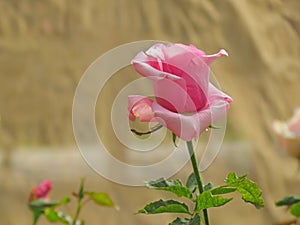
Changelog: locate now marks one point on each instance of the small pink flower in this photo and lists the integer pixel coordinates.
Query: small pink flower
(41, 191)
(186, 102)
(294, 123)
(288, 134)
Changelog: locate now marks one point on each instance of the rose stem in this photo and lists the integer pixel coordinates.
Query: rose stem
(77, 212)
(197, 175)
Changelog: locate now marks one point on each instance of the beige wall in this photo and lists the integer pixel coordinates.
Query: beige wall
(45, 46)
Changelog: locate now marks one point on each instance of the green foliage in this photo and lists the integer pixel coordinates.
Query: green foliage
(64, 200)
(191, 183)
(81, 190)
(180, 221)
(249, 190)
(52, 215)
(174, 139)
(295, 209)
(208, 187)
(161, 206)
(41, 207)
(50, 208)
(291, 201)
(213, 127)
(41, 204)
(184, 221)
(222, 190)
(195, 220)
(102, 199)
(210, 197)
(288, 200)
(174, 186)
(206, 200)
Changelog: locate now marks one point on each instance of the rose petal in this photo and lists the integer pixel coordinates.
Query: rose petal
(211, 58)
(144, 65)
(188, 127)
(140, 106)
(214, 94)
(181, 64)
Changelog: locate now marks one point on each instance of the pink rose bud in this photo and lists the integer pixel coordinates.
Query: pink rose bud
(41, 191)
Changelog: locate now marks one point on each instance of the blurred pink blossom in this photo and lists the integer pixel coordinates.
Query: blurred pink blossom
(288, 134)
(41, 191)
(294, 123)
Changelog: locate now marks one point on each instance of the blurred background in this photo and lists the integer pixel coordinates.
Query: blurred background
(45, 47)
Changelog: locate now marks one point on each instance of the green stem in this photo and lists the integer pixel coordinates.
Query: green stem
(35, 219)
(77, 212)
(197, 175)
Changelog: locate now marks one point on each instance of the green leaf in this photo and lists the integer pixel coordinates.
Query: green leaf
(174, 186)
(162, 182)
(102, 199)
(174, 138)
(184, 221)
(222, 190)
(195, 220)
(207, 200)
(208, 186)
(38, 208)
(288, 200)
(161, 206)
(54, 216)
(41, 204)
(213, 127)
(295, 209)
(180, 221)
(192, 183)
(64, 200)
(81, 190)
(232, 179)
(51, 215)
(249, 190)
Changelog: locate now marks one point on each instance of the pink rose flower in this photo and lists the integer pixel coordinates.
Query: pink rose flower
(294, 123)
(185, 101)
(41, 191)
